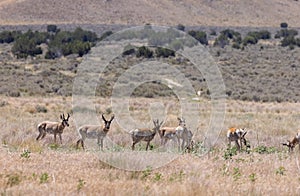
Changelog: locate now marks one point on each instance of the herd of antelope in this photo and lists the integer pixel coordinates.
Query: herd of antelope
(180, 134)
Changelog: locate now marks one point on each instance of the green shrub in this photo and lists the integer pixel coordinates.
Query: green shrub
(105, 35)
(249, 40)
(25, 46)
(65, 43)
(236, 45)
(260, 34)
(25, 154)
(297, 41)
(221, 41)
(200, 36)
(265, 150)
(84, 36)
(252, 177)
(213, 32)
(180, 27)
(44, 178)
(128, 50)
(164, 52)
(230, 34)
(9, 36)
(281, 171)
(143, 51)
(52, 28)
(80, 184)
(230, 152)
(288, 41)
(286, 33)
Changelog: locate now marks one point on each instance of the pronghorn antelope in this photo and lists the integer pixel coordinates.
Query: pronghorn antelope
(144, 134)
(53, 128)
(236, 135)
(94, 132)
(169, 133)
(180, 133)
(183, 134)
(292, 143)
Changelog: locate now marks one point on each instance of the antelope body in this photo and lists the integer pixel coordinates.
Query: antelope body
(293, 142)
(144, 134)
(180, 133)
(94, 132)
(166, 134)
(237, 136)
(53, 128)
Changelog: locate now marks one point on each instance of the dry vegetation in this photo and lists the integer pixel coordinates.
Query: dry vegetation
(31, 167)
(264, 72)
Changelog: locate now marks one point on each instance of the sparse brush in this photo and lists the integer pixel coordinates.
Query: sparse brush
(230, 152)
(25, 154)
(44, 178)
(80, 184)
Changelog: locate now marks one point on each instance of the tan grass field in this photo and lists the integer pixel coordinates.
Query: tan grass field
(50, 169)
(256, 13)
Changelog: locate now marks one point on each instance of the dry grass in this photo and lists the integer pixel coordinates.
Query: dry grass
(52, 169)
(188, 12)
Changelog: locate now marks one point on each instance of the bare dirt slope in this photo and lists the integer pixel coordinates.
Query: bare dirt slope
(167, 12)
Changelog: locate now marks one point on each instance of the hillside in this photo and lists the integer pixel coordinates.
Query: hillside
(263, 13)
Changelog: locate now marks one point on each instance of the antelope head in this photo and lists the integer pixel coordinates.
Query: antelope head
(65, 120)
(181, 121)
(157, 125)
(107, 122)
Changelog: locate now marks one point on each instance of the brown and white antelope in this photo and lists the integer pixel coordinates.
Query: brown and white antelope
(177, 133)
(183, 134)
(94, 132)
(293, 142)
(145, 134)
(238, 136)
(53, 128)
(169, 133)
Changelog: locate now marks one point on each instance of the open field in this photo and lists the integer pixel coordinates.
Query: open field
(31, 167)
(35, 89)
(256, 13)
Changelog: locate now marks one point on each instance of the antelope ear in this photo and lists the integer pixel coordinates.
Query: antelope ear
(61, 117)
(68, 116)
